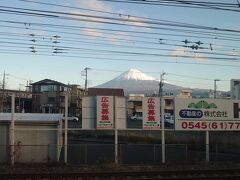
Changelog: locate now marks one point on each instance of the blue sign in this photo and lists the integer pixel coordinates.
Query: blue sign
(189, 113)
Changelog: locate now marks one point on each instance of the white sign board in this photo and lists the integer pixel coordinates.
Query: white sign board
(105, 113)
(207, 114)
(151, 113)
(89, 112)
(120, 112)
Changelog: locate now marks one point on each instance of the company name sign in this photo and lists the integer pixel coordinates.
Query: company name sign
(207, 114)
(105, 118)
(151, 113)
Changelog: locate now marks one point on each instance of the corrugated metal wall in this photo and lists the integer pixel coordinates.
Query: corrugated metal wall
(35, 145)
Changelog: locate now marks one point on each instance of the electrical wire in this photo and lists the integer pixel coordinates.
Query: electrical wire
(183, 4)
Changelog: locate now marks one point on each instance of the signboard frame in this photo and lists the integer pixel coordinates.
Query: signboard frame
(207, 114)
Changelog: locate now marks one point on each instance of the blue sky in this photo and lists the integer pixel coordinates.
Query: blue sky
(21, 65)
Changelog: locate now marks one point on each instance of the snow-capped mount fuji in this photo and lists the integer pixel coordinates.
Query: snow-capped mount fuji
(134, 74)
(134, 81)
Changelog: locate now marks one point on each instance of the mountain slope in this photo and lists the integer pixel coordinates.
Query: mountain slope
(134, 81)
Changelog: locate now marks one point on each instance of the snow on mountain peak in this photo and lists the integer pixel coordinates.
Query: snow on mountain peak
(134, 74)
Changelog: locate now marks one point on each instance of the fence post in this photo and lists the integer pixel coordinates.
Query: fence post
(115, 129)
(86, 154)
(116, 146)
(120, 153)
(162, 130)
(66, 129)
(12, 130)
(154, 153)
(186, 149)
(207, 146)
(216, 151)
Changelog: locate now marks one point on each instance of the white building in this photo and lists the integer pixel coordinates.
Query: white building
(235, 88)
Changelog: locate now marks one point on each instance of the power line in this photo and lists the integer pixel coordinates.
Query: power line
(145, 42)
(127, 60)
(113, 45)
(52, 14)
(127, 52)
(183, 4)
(118, 39)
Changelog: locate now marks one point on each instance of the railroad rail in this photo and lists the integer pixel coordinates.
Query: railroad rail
(141, 175)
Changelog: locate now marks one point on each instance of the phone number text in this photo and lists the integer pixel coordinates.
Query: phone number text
(210, 125)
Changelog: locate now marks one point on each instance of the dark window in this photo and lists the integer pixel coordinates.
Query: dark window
(62, 98)
(51, 99)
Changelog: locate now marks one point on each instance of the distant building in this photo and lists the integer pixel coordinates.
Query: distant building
(134, 105)
(48, 96)
(105, 92)
(185, 94)
(23, 101)
(219, 94)
(235, 88)
(76, 94)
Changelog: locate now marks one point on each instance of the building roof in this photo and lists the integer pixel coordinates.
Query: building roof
(105, 92)
(31, 117)
(48, 82)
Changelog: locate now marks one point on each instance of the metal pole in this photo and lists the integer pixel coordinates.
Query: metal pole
(116, 146)
(59, 140)
(215, 88)
(216, 151)
(12, 130)
(154, 153)
(66, 129)
(207, 146)
(86, 154)
(86, 79)
(162, 116)
(186, 155)
(116, 131)
(163, 132)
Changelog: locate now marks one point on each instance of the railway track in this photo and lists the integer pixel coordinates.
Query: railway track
(140, 175)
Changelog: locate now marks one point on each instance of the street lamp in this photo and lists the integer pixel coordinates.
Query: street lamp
(215, 87)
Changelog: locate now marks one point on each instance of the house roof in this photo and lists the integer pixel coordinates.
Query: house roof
(48, 82)
(105, 92)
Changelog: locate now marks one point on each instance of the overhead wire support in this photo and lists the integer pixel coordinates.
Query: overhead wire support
(85, 73)
(161, 83)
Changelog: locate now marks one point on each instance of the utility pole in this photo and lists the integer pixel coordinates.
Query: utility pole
(215, 87)
(160, 93)
(207, 132)
(4, 76)
(86, 77)
(2, 93)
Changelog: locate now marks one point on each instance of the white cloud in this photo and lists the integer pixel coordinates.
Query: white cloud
(94, 5)
(178, 52)
(92, 33)
(234, 52)
(181, 52)
(136, 23)
(113, 38)
(199, 57)
(102, 6)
